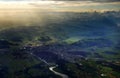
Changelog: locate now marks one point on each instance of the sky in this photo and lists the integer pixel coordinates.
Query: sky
(68, 0)
(66, 5)
(32, 12)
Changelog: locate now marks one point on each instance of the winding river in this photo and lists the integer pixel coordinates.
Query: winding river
(51, 68)
(57, 73)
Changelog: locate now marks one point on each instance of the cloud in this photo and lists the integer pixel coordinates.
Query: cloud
(68, 0)
(90, 0)
(64, 6)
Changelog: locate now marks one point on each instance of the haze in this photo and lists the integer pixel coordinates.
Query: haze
(27, 13)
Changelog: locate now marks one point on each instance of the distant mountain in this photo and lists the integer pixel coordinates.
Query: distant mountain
(100, 43)
(71, 25)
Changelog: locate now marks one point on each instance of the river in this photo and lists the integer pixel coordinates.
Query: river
(51, 68)
(57, 73)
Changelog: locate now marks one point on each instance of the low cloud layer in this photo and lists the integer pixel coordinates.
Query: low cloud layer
(91, 0)
(68, 0)
(33, 13)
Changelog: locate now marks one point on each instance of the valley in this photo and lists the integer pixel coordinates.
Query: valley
(83, 45)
